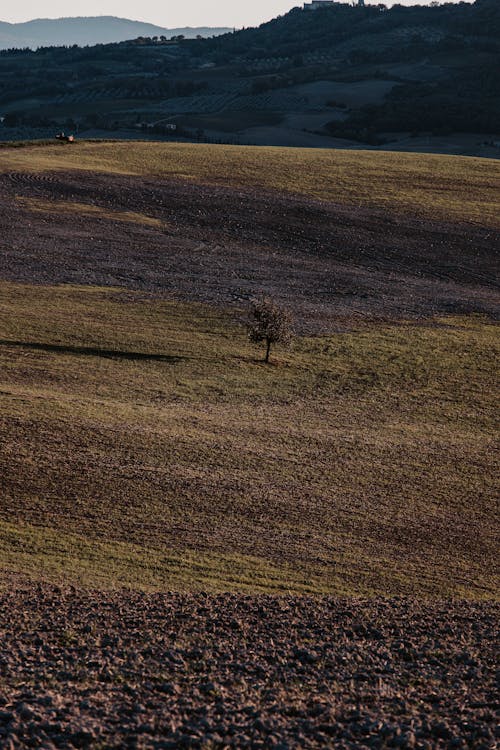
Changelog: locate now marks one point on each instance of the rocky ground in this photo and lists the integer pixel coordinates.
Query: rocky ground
(94, 670)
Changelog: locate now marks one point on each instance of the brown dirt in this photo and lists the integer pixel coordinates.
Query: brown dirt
(224, 245)
(93, 670)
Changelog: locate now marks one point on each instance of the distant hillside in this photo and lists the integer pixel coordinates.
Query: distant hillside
(443, 62)
(420, 78)
(46, 32)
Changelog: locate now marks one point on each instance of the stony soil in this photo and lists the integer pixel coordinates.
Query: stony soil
(223, 245)
(84, 669)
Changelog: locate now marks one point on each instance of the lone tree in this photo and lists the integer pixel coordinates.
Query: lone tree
(270, 323)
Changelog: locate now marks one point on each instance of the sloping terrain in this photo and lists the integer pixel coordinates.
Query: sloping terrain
(326, 524)
(310, 228)
(150, 434)
(460, 190)
(144, 443)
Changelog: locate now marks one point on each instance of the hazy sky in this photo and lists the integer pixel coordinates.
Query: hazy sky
(169, 13)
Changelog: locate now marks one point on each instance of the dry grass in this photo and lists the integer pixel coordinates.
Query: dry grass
(435, 186)
(87, 209)
(144, 444)
(43, 553)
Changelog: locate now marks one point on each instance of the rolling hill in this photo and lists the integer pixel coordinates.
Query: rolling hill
(200, 550)
(156, 450)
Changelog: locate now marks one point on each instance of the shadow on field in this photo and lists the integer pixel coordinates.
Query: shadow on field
(93, 352)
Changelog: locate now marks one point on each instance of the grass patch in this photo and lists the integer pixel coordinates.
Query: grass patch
(440, 187)
(144, 443)
(39, 552)
(87, 209)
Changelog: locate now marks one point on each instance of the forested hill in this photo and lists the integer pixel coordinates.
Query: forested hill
(369, 75)
(446, 57)
(342, 25)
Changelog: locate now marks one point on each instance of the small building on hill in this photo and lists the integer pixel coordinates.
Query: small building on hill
(316, 4)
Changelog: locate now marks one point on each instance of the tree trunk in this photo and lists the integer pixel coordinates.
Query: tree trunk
(268, 351)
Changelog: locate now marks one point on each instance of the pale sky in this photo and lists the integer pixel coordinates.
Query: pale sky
(168, 13)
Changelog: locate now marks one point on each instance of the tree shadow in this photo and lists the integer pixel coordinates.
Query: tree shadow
(93, 352)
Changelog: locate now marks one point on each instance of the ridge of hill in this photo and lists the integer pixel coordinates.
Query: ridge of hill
(300, 30)
(442, 63)
(87, 31)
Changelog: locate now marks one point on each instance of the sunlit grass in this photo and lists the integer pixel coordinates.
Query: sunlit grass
(437, 186)
(144, 443)
(87, 209)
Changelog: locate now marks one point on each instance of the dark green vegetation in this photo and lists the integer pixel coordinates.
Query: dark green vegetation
(451, 55)
(371, 75)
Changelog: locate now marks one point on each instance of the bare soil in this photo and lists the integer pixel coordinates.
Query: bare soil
(224, 245)
(93, 670)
